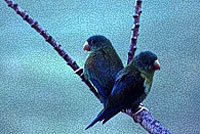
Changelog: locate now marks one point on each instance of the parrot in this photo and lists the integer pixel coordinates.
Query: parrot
(101, 65)
(132, 85)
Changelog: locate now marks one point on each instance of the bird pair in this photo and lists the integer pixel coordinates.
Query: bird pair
(118, 87)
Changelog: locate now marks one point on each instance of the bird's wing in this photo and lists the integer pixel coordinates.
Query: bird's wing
(128, 87)
(97, 69)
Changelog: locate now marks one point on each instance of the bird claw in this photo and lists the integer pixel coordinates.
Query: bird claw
(79, 71)
(140, 108)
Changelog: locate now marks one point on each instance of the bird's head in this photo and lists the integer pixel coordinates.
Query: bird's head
(96, 42)
(147, 62)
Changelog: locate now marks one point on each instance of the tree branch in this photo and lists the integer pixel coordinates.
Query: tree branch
(146, 120)
(135, 29)
(143, 116)
(48, 38)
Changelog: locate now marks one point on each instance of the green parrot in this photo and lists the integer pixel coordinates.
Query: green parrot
(132, 85)
(101, 65)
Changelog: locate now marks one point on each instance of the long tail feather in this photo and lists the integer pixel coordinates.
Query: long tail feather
(105, 115)
(98, 118)
(112, 113)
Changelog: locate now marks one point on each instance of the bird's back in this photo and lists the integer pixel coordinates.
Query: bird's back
(101, 68)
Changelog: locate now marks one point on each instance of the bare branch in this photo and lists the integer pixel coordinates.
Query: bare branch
(147, 121)
(48, 38)
(143, 116)
(135, 29)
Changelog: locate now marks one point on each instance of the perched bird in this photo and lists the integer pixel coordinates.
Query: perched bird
(132, 85)
(101, 65)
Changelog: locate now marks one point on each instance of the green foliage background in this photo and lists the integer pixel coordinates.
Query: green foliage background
(39, 94)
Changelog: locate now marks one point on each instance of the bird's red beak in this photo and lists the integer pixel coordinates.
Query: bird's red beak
(86, 46)
(156, 65)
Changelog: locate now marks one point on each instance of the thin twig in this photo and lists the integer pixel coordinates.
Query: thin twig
(135, 29)
(144, 117)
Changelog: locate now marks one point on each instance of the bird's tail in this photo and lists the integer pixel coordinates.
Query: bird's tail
(105, 115)
(98, 118)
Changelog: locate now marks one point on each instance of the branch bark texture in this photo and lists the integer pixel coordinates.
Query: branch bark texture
(147, 121)
(48, 38)
(135, 29)
(143, 116)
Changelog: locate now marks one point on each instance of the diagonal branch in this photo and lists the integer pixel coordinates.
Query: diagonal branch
(143, 116)
(146, 120)
(48, 38)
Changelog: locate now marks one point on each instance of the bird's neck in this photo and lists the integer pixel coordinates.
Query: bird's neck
(148, 77)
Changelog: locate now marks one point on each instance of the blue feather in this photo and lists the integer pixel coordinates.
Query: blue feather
(105, 115)
(98, 118)
(101, 90)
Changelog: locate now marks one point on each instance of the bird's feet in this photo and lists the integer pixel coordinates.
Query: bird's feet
(134, 111)
(139, 109)
(79, 71)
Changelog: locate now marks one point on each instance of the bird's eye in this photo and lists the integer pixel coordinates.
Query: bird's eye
(93, 42)
(146, 62)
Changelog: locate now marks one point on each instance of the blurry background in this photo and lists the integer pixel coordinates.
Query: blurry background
(39, 93)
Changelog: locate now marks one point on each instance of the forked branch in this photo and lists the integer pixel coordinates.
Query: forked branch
(143, 117)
